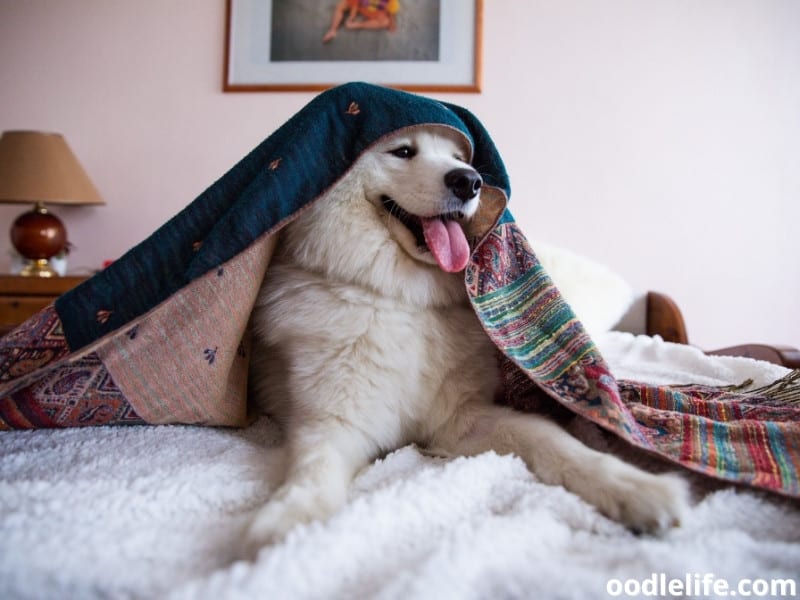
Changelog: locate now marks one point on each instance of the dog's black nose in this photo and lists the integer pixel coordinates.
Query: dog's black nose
(465, 183)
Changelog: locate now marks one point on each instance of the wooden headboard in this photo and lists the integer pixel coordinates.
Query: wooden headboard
(664, 318)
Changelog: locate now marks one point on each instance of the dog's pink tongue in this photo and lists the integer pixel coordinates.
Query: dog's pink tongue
(447, 243)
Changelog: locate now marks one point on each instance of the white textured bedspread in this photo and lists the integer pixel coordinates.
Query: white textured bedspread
(151, 512)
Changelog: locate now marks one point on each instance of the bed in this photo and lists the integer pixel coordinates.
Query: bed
(158, 511)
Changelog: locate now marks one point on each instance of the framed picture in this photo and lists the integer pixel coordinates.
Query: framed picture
(296, 45)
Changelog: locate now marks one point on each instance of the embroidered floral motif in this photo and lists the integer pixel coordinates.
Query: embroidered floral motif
(103, 316)
(353, 109)
(275, 164)
(196, 246)
(132, 332)
(211, 354)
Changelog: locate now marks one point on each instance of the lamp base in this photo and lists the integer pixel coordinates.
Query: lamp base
(38, 268)
(38, 235)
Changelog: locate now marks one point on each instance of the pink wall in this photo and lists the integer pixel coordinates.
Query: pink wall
(661, 138)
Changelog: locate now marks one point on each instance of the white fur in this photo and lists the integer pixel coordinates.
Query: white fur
(363, 345)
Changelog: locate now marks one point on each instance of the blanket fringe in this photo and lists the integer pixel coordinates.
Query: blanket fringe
(781, 392)
(784, 391)
(737, 387)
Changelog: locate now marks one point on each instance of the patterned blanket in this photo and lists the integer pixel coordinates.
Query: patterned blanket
(160, 336)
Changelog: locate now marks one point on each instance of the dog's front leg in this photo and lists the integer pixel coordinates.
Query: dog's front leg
(643, 501)
(322, 458)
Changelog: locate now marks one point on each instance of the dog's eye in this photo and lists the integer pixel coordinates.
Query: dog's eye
(403, 152)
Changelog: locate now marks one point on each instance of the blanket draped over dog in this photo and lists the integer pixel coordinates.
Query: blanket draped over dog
(160, 336)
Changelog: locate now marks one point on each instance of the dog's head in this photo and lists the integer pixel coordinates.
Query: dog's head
(421, 179)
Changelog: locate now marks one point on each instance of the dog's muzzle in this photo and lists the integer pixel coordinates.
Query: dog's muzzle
(441, 234)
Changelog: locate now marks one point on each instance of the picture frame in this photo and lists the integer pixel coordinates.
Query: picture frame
(424, 46)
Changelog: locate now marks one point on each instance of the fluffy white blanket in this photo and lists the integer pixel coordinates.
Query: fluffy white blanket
(146, 512)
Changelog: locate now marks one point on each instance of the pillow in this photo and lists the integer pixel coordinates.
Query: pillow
(599, 297)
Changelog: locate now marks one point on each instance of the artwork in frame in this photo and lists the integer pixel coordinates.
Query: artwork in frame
(296, 45)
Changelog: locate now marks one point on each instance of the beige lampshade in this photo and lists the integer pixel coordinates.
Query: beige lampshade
(40, 167)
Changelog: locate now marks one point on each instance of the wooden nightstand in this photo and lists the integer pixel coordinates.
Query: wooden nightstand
(23, 297)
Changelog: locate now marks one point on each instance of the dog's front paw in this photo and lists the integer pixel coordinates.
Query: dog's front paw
(289, 506)
(644, 502)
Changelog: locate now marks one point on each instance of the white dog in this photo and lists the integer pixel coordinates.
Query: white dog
(365, 341)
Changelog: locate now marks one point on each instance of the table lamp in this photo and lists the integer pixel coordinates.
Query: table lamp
(39, 168)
